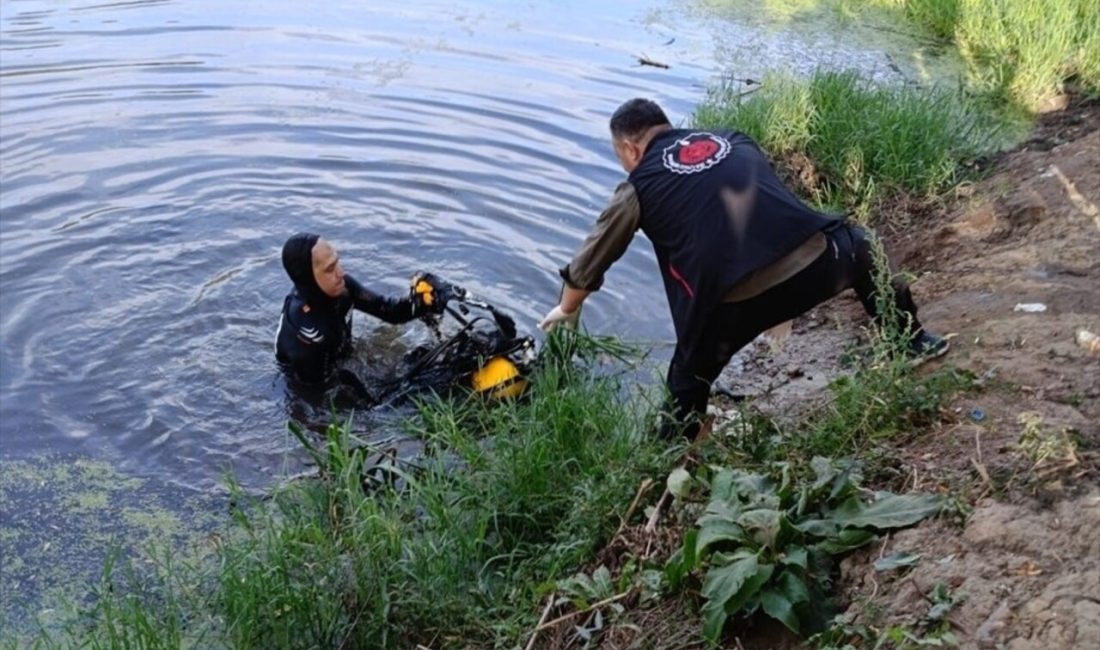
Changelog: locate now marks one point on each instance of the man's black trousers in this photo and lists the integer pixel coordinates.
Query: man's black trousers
(847, 263)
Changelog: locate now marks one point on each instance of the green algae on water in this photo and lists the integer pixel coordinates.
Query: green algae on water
(61, 516)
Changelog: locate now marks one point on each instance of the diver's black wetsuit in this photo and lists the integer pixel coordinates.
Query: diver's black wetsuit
(315, 334)
(315, 328)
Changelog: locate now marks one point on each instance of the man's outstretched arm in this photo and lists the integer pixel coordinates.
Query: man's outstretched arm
(607, 242)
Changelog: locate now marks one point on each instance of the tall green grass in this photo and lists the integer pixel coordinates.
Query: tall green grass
(455, 549)
(863, 141)
(1021, 51)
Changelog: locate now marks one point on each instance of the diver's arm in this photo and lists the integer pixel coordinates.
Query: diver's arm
(391, 310)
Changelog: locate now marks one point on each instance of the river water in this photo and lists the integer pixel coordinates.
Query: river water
(155, 154)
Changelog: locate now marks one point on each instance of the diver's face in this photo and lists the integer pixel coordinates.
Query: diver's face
(327, 270)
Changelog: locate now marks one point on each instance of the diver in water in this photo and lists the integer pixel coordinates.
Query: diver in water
(315, 328)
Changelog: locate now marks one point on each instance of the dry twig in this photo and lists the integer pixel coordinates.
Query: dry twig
(700, 438)
(593, 607)
(644, 60)
(651, 525)
(542, 619)
(881, 553)
(984, 474)
(642, 489)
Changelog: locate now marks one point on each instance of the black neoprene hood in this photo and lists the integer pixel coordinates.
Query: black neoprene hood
(298, 262)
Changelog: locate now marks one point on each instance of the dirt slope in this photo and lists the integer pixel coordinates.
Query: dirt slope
(1028, 559)
(1024, 450)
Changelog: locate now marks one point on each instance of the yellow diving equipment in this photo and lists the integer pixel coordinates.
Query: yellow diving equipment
(499, 378)
(426, 292)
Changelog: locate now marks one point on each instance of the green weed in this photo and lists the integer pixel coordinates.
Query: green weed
(764, 542)
(1020, 52)
(863, 142)
(884, 396)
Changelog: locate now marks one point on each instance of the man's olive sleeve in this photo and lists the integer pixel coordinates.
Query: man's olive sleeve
(607, 242)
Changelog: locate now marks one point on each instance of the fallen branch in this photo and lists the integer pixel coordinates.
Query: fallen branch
(593, 607)
(542, 619)
(651, 525)
(871, 575)
(642, 489)
(644, 60)
(700, 438)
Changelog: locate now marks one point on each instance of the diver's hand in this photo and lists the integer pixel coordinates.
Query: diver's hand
(557, 316)
(427, 294)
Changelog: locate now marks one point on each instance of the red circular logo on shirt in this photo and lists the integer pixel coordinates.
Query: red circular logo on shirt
(695, 153)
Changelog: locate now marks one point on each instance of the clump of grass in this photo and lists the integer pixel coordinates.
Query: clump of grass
(885, 396)
(863, 142)
(506, 498)
(1020, 51)
(938, 16)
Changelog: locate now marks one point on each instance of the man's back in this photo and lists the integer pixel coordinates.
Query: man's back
(715, 211)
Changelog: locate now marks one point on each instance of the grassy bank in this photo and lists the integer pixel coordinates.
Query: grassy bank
(848, 144)
(461, 547)
(851, 145)
(1019, 51)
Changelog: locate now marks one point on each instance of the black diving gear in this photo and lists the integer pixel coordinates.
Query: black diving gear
(484, 355)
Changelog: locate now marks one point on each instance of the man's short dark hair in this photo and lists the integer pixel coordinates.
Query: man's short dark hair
(635, 117)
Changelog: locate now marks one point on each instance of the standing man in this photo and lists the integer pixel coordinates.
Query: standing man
(738, 252)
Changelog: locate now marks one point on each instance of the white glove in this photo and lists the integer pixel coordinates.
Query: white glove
(557, 316)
